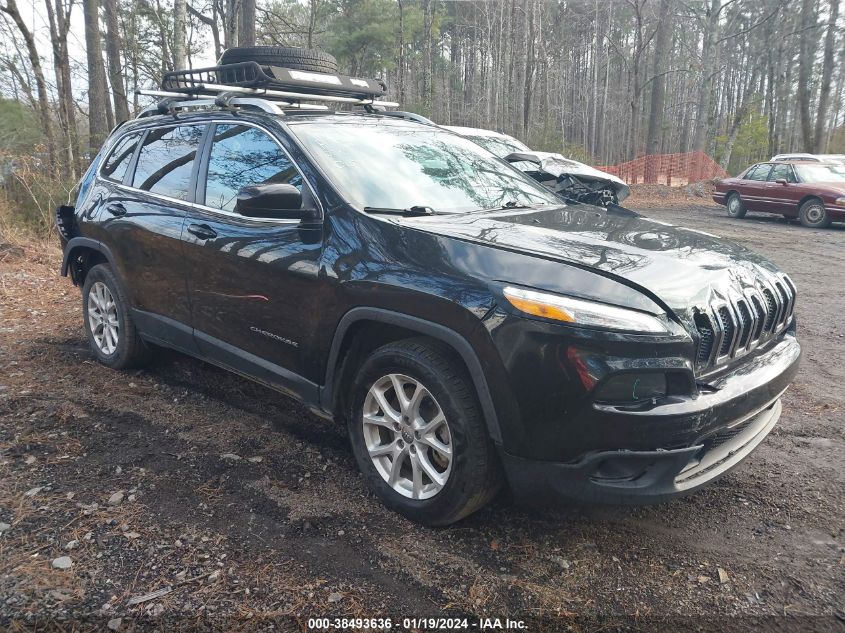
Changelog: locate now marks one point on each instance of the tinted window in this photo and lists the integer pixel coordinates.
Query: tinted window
(782, 172)
(241, 156)
(118, 161)
(166, 160)
(758, 173)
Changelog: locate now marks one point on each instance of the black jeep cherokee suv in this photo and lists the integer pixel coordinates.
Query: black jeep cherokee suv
(469, 327)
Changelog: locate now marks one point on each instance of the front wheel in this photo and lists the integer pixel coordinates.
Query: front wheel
(418, 434)
(814, 215)
(735, 206)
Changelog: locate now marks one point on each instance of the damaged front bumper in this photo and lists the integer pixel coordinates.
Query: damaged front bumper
(731, 423)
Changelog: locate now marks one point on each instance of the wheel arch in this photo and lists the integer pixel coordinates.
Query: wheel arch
(369, 328)
(807, 198)
(83, 253)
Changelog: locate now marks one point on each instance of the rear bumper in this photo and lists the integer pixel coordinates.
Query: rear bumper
(631, 477)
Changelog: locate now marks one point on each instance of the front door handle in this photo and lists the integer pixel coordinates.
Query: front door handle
(116, 209)
(202, 231)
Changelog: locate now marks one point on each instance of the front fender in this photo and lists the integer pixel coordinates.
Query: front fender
(427, 328)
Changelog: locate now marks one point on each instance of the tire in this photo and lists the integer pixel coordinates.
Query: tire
(468, 479)
(735, 206)
(813, 214)
(129, 350)
(287, 57)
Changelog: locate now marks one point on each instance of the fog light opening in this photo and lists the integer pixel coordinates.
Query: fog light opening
(633, 387)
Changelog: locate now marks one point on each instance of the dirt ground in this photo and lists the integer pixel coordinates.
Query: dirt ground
(243, 511)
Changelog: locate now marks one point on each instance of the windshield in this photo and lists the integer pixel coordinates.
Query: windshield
(500, 146)
(821, 173)
(397, 165)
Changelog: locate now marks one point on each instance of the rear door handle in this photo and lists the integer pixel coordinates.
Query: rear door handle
(202, 231)
(116, 209)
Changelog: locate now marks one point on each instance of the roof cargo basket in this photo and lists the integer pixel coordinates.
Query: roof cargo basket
(275, 82)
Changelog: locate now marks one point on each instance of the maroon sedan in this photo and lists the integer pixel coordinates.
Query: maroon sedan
(814, 192)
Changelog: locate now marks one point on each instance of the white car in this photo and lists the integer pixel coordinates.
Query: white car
(819, 158)
(567, 177)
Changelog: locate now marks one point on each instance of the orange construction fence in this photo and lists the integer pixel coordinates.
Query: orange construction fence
(668, 169)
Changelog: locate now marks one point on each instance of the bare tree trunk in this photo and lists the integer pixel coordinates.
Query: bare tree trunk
(401, 46)
(529, 70)
(246, 26)
(59, 21)
(312, 20)
(658, 79)
(230, 31)
(827, 76)
(211, 23)
(97, 96)
(113, 47)
(180, 10)
(11, 8)
(428, 58)
(805, 69)
(708, 58)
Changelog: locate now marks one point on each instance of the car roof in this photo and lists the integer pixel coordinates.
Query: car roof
(802, 161)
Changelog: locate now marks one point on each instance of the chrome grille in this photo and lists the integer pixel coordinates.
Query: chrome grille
(730, 329)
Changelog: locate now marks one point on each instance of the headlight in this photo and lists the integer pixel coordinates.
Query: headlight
(840, 202)
(581, 312)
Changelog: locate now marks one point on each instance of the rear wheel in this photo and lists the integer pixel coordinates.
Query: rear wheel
(735, 206)
(813, 214)
(418, 434)
(108, 324)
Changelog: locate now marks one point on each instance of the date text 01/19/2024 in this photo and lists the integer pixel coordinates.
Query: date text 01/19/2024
(426, 624)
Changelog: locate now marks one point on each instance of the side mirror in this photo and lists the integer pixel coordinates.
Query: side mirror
(781, 181)
(272, 200)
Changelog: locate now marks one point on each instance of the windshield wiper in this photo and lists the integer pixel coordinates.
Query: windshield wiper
(414, 211)
(512, 204)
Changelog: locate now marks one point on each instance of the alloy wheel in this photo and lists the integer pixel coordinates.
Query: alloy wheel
(407, 436)
(102, 318)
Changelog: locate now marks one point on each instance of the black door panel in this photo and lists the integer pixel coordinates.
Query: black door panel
(147, 241)
(250, 285)
(143, 219)
(250, 279)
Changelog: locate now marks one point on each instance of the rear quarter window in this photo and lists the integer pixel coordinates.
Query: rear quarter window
(117, 163)
(166, 161)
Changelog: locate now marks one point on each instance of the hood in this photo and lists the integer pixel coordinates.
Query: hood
(835, 188)
(684, 269)
(557, 165)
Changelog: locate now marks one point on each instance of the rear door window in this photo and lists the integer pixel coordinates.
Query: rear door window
(242, 155)
(167, 159)
(118, 161)
(760, 172)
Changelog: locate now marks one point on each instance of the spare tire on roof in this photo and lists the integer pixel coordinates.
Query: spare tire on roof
(305, 59)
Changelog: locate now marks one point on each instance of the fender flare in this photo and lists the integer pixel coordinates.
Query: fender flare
(85, 242)
(448, 336)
